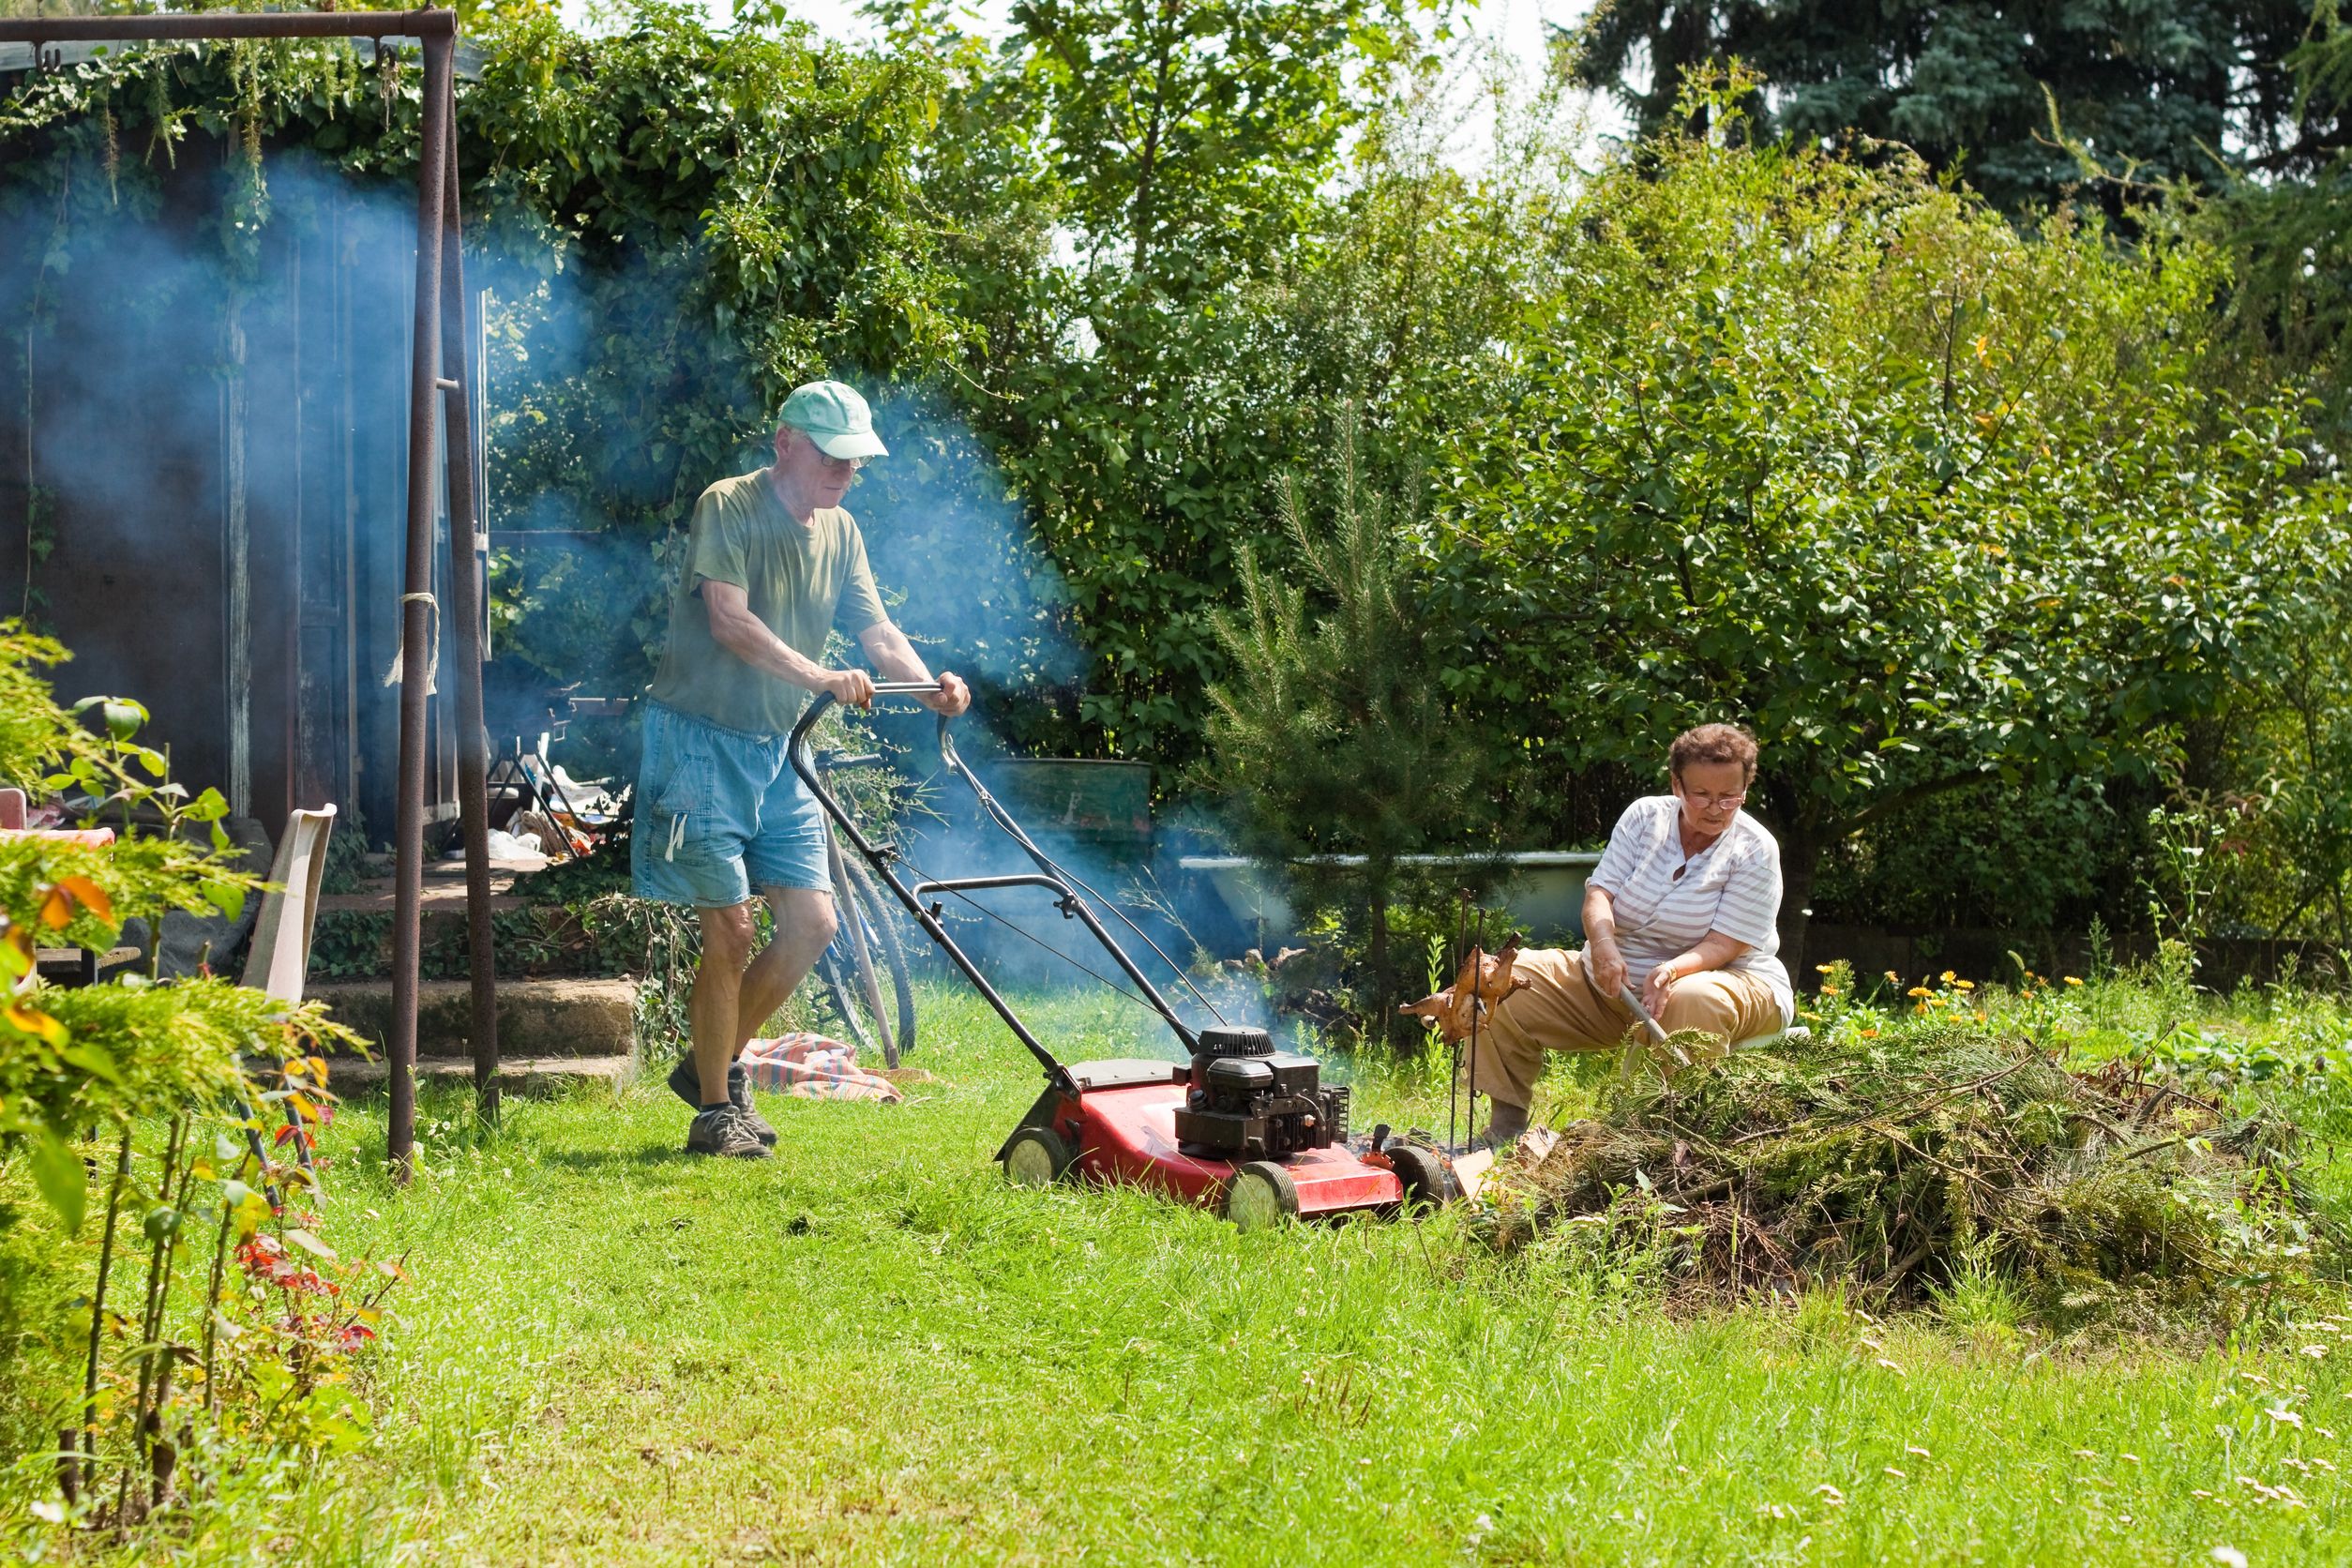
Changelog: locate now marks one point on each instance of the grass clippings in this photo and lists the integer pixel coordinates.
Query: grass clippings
(1939, 1155)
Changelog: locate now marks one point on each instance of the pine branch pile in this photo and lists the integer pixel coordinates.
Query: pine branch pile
(1897, 1165)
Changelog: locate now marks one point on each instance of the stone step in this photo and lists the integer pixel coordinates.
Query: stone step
(534, 1077)
(594, 1019)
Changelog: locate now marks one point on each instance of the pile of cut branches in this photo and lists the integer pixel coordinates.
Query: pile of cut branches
(1899, 1165)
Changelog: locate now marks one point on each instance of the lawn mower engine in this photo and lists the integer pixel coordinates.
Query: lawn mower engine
(1242, 1128)
(1249, 1101)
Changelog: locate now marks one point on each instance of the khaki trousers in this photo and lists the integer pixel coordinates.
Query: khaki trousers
(1562, 1010)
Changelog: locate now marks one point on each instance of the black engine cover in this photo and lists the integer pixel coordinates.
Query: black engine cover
(1253, 1104)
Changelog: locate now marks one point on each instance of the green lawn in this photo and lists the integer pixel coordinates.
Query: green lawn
(871, 1350)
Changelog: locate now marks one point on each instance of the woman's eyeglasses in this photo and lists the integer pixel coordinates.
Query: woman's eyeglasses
(1713, 803)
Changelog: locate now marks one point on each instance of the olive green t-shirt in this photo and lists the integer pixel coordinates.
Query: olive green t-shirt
(800, 580)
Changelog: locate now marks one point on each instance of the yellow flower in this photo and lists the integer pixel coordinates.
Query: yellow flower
(2072, 981)
(1966, 985)
(1949, 977)
(1919, 990)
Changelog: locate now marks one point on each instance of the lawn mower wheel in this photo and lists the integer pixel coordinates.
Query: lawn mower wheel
(1037, 1157)
(1423, 1174)
(1261, 1194)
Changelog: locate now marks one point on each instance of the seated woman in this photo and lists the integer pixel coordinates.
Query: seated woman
(1683, 906)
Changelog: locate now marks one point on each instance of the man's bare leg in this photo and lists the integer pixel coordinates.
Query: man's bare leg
(804, 923)
(714, 1005)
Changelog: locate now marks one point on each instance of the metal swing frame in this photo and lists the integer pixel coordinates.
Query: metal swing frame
(438, 365)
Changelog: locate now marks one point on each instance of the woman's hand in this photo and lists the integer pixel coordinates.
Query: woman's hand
(1659, 987)
(1714, 950)
(1605, 965)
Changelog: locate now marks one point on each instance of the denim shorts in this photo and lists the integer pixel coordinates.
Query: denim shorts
(720, 812)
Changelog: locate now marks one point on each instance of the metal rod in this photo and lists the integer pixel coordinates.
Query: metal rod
(436, 23)
(1478, 1005)
(432, 168)
(969, 885)
(1453, 1048)
(797, 748)
(465, 615)
(1044, 862)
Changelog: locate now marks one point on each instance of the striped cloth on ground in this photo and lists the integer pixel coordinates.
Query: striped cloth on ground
(811, 1067)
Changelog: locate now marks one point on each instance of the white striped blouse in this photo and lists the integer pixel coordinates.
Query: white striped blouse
(1664, 904)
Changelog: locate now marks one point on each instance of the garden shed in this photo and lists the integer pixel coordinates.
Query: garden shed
(207, 438)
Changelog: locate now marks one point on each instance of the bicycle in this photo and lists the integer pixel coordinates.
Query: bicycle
(848, 967)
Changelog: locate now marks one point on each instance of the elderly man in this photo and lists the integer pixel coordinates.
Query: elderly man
(773, 563)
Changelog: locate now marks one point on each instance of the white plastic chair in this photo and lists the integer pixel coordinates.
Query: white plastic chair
(1773, 1038)
(279, 961)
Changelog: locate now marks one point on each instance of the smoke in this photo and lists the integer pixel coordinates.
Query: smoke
(207, 432)
(218, 441)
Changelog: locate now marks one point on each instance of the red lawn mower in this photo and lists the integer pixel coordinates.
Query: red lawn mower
(1237, 1126)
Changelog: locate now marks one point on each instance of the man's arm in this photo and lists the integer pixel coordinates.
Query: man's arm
(896, 658)
(742, 634)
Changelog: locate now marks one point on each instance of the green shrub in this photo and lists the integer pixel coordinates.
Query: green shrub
(146, 1086)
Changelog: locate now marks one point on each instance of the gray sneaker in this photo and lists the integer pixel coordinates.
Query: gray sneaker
(739, 1095)
(687, 1084)
(724, 1130)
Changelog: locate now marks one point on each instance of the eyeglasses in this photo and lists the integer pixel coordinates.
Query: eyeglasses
(1713, 803)
(837, 465)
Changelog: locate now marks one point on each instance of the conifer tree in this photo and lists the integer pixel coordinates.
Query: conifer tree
(1332, 736)
(2160, 92)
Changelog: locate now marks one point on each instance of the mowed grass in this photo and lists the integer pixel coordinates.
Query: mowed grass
(870, 1349)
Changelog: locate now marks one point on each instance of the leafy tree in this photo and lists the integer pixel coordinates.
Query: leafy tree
(1419, 271)
(1134, 405)
(1835, 452)
(2153, 91)
(1191, 135)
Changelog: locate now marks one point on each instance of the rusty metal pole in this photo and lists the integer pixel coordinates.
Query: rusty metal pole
(231, 24)
(437, 29)
(465, 615)
(417, 607)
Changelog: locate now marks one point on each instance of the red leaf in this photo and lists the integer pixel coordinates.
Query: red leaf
(284, 1132)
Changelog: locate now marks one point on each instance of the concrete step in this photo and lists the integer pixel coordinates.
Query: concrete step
(439, 891)
(531, 1076)
(537, 1019)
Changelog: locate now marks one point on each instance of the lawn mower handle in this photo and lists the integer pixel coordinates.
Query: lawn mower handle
(1049, 877)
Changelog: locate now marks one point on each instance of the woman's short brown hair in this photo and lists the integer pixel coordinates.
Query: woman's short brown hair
(1715, 743)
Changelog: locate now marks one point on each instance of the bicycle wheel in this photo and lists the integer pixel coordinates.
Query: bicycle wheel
(890, 954)
(852, 977)
(857, 925)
